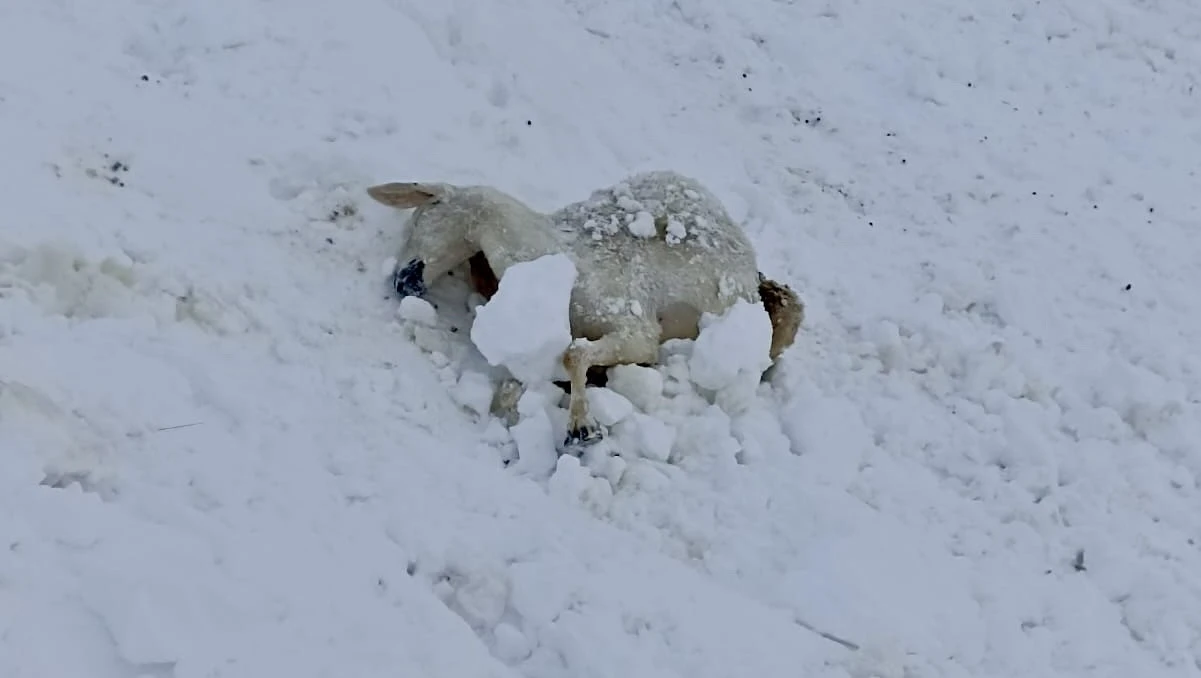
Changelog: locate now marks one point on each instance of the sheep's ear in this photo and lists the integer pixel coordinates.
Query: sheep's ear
(404, 195)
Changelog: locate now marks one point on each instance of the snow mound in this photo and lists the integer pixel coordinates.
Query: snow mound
(525, 326)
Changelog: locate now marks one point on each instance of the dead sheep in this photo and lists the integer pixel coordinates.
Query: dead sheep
(653, 253)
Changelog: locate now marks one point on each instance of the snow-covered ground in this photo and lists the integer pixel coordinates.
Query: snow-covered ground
(223, 453)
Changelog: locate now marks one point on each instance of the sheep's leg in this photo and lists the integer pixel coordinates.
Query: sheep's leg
(787, 313)
(504, 400)
(615, 348)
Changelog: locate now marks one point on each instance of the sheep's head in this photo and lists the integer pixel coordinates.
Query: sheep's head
(437, 233)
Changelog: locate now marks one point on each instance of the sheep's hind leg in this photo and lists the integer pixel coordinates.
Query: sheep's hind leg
(505, 399)
(615, 348)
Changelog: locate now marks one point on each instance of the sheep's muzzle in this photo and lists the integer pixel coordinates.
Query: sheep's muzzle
(410, 280)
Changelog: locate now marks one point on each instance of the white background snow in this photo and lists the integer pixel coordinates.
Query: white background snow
(223, 454)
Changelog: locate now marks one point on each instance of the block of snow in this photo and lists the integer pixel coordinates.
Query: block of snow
(418, 311)
(535, 439)
(642, 386)
(569, 480)
(575, 484)
(534, 434)
(608, 406)
(525, 326)
(652, 437)
(642, 225)
(731, 346)
(676, 231)
(611, 469)
(760, 433)
(474, 391)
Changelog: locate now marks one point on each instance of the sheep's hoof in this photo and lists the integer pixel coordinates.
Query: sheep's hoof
(504, 401)
(584, 436)
(410, 280)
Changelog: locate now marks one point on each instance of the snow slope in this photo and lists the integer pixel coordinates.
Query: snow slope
(222, 455)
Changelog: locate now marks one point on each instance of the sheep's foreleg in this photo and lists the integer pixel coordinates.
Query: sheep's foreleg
(504, 400)
(616, 348)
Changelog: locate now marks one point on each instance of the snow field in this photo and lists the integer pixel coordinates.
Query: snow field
(224, 454)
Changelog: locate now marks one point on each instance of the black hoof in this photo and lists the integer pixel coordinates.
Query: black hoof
(410, 280)
(586, 435)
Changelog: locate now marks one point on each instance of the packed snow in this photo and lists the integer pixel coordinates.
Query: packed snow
(642, 225)
(525, 326)
(228, 450)
(732, 347)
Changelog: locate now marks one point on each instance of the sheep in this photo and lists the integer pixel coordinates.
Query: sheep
(653, 253)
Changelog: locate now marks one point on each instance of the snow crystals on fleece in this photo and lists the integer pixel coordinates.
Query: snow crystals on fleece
(643, 202)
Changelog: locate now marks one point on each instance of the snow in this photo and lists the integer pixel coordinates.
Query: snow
(732, 347)
(525, 326)
(676, 231)
(535, 435)
(642, 225)
(608, 406)
(226, 451)
(417, 311)
(642, 386)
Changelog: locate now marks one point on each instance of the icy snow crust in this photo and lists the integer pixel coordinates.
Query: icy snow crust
(226, 451)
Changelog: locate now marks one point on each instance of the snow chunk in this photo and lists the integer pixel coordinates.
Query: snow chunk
(643, 225)
(731, 346)
(525, 325)
(629, 204)
(417, 311)
(534, 435)
(573, 483)
(474, 391)
(642, 386)
(676, 231)
(608, 406)
(652, 437)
